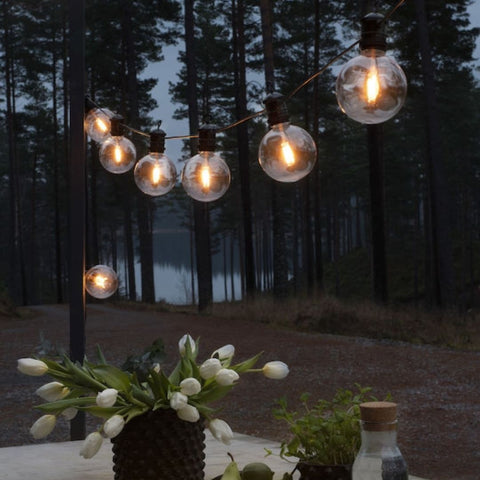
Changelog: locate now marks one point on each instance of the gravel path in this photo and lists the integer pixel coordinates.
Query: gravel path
(437, 389)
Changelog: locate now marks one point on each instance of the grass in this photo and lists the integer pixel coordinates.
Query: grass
(328, 314)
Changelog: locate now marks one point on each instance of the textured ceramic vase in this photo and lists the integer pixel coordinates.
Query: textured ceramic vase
(158, 445)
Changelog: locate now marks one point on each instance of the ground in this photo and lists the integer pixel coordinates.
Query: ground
(437, 389)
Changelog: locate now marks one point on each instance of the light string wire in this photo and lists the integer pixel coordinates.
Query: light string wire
(292, 94)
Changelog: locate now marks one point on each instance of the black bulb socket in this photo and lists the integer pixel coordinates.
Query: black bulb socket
(157, 141)
(207, 138)
(276, 109)
(116, 127)
(373, 32)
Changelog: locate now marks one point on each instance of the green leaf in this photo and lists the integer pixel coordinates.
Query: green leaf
(101, 358)
(159, 384)
(247, 364)
(113, 377)
(135, 412)
(61, 405)
(213, 393)
(143, 396)
(102, 412)
(174, 377)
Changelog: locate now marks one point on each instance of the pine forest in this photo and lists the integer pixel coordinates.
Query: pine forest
(303, 239)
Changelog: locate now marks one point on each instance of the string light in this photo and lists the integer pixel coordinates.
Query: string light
(286, 153)
(371, 88)
(117, 153)
(206, 176)
(155, 174)
(101, 281)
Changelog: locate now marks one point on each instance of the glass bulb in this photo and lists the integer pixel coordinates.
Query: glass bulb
(101, 281)
(97, 124)
(371, 88)
(155, 174)
(287, 153)
(117, 154)
(206, 177)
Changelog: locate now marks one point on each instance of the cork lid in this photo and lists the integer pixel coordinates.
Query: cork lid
(378, 416)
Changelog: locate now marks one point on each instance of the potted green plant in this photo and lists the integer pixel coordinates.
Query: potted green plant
(325, 435)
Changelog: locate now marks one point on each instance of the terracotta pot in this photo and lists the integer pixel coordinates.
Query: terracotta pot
(158, 445)
(312, 471)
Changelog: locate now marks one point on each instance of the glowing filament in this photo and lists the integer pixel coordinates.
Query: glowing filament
(102, 126)
(372, 85)
(287, 153)
(118, 154)
(156, 174)
(100, 281)
(205, 177)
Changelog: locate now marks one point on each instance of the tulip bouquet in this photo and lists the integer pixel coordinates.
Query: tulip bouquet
(117, 396)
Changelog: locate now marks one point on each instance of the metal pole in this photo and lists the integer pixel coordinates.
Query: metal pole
(77, 201)
(377, 209)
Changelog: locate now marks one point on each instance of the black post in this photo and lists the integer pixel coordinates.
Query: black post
(77, 192)
(377, 211)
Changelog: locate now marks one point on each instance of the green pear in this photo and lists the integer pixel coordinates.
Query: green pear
(231, 472)
(257, 471)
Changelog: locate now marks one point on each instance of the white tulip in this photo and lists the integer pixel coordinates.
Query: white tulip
(30, 366)
(91, 445)
(221, 430)
(190, 386)
(224, 353)
(226, 376)
(188, 413)
(276, 370)
(113, 426)
(209, 368)
(107, 397)
(43, 426)
(183, 341)
(178, 400)
(70, 413)
(52, 391)
(156, 367)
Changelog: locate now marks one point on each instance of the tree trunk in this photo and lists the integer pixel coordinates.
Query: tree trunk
(280, 267)
(201, 214)
(143, 202)
(440, 247)
(56, 180)
(377, 208)
(232, 266)
(318, 245)
(238, 17)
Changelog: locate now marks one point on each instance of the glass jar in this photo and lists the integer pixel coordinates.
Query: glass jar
(379, 457)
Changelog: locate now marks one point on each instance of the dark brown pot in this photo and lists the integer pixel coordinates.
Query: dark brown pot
(311, 471)
(158, 445)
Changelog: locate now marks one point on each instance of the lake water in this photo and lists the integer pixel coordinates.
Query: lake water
(173, 284)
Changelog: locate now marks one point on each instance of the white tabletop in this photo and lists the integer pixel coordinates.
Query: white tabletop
(61, 461)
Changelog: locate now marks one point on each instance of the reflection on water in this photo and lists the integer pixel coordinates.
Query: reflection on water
(173, 284)
(171, 253)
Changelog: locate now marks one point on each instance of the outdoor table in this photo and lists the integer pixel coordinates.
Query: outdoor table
(61, 461)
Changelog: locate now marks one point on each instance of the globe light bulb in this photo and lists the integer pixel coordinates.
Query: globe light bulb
(286, 153)
(155, 174)
(206, 176)
(117, 153)
(97, 121)
(371, 88)
(101, 281)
